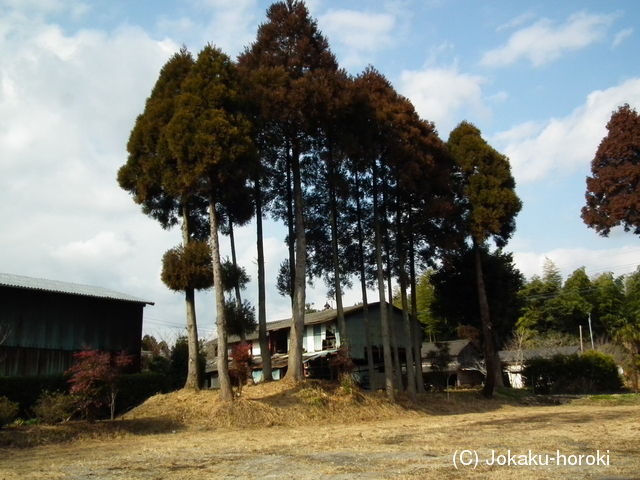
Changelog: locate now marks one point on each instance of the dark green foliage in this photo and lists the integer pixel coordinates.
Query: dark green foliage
(489, 195)
(233, 276)
(456, 280)
(588, 373)
(138, 387)
(55, 407)
(27, 390)
(8, 411)
(160, 364)
(240, 319)
(134, 389)
(180, 363)
(185, 267)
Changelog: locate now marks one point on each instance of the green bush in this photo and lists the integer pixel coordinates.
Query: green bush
(8, 411)
(134, 389)
(55, 407)
(573, 374)
(27, 390)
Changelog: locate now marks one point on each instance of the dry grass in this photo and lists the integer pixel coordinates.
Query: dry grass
(318, 430)
(275, 404)
(307, 403)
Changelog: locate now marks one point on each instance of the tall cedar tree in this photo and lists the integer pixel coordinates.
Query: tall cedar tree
(377, 94)
(210, 138)
(491, 205)
(289, 54)
(149, 176)
(613, 192)
(238, 210)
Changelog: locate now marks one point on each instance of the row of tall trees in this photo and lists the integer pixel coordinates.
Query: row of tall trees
(365, 187)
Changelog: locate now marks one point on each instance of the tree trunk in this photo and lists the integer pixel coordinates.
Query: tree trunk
(290, 226)
(226, 392)
(363, 284)
(193, 372)
(295, 370)
(487, 329)
(265, 354)
(397, 371)
(498, 362)
(384, 320)
(411, 376)
(232, 240)
(417, 331)
(342, 326)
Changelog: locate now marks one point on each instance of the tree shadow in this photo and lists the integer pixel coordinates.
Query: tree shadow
(28, 436)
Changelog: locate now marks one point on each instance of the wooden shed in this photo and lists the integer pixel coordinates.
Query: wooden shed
(48, 321)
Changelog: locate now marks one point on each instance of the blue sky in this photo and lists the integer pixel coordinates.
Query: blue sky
(540, 79)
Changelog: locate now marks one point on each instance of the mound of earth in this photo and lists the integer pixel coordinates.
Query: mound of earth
(270, 404)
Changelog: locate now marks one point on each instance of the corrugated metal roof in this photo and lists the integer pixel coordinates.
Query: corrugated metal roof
(19, 281)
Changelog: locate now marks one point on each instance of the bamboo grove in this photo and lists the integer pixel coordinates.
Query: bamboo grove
(367, 190)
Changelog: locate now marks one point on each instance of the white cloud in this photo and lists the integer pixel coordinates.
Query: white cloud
(560, 146)
(104, 246)
(621, 36)
(357, 34)
(444, 95)
(516, 22)
(67, 105)
(620, 260)
(228, 24)
(544, 42)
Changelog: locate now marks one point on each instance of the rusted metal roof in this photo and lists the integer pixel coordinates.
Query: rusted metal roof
(19, 281)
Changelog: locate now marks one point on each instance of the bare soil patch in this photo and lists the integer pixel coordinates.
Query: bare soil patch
(315, 430)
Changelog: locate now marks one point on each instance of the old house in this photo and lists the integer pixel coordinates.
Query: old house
(321, 340)
(47, 321)
(464, 362)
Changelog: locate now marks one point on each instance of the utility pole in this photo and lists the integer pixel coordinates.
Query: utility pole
(591, 332)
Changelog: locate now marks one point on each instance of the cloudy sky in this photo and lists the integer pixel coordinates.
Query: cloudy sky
(539, 78)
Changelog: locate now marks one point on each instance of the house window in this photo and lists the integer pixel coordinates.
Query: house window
(330, 339)
(317, 338)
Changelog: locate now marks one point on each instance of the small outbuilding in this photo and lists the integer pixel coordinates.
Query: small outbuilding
(47, 321)
(464, 361)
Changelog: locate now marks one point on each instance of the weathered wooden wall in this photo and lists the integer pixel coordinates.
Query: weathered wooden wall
(46, 328)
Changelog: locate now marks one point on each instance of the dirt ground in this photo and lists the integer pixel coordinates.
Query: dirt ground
(407, 443)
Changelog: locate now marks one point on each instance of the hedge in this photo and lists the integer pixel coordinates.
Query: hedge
(134, 389)
(590, 372)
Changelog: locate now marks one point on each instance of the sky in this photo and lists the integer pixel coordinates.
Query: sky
(540, 79)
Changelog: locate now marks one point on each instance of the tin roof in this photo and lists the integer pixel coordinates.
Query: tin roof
(19, 281)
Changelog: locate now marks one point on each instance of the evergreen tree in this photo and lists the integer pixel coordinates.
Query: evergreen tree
(210, 139)
(150, 176)
(491, 205)
(283, 65)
